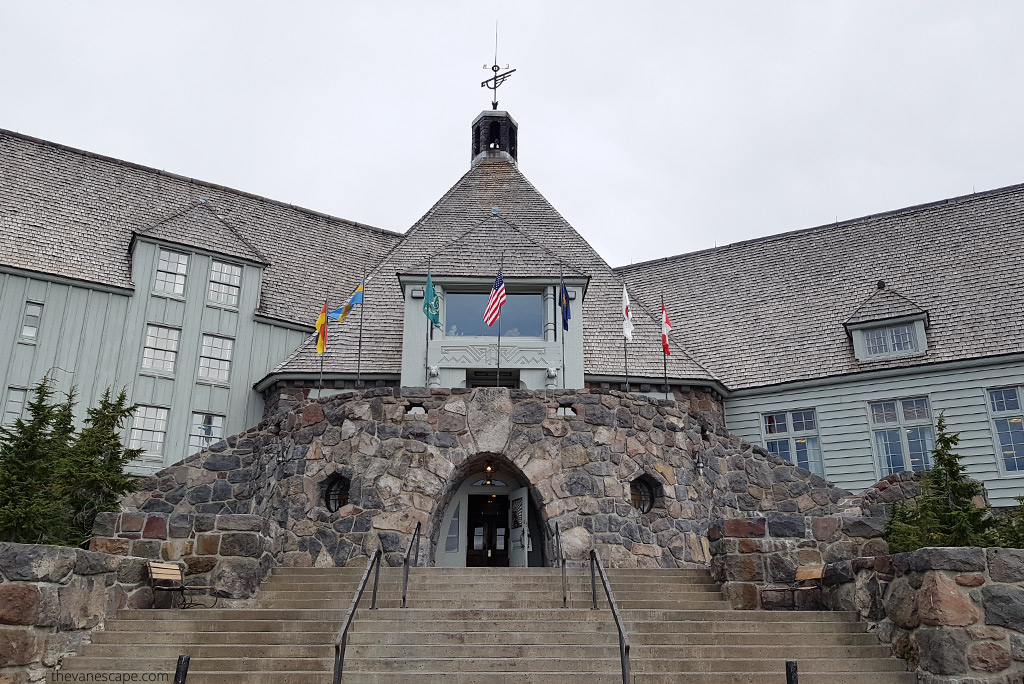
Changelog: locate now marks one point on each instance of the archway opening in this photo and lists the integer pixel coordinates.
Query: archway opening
(488, 518)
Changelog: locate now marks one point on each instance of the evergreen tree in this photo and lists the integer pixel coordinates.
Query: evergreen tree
(1010, 530)
(946, 513)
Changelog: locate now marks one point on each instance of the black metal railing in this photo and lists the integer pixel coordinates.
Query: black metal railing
(341, 641)
(595, 562)
(415, 539)
(561, 560)
(181, 671)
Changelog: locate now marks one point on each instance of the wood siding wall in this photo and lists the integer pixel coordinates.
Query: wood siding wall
(846, 442)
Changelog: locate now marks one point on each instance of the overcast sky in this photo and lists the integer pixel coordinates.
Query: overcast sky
(655, 128)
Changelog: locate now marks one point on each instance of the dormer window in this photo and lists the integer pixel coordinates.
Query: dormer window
(890, 339)
(887, 325)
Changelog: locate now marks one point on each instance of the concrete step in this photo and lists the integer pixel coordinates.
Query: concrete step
(527, 677)
(487, 602)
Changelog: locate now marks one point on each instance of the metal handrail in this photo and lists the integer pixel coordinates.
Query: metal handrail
(623, 639)
(561, 560)
(341, 641)
(405, 562)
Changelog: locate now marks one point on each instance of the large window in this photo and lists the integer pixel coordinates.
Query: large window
(793, 435)
(1009, 422)
(14, 406)
(31, 320)
(170, 273)
(215, 358)
(161, 349)
(902, 433)
(521, 316)
(149, 432)
(206, 429)
(225, 283)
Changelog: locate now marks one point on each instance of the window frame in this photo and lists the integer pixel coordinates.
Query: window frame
(791, 435)
(33, 338)
(157, 271)
(205, 379)
(148, 457)
(210, 438)
(7, 400)
(484, 289)
(901, 425)
(160, 372)
(210, 300)
(861, 331)
(995, 415)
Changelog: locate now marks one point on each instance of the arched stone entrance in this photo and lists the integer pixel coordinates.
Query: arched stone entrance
(488, 518)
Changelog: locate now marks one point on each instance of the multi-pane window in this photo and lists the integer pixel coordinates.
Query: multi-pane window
(170, 273)
(161, 349)
(206, 429)
(215, 358)
(30, 322)
(793, 435)
(1009, 422)
(225, 282)
(891, 339)
(149, 432)
(15, 404)
(903, 435)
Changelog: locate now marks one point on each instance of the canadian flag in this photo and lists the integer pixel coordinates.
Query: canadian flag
(666, 328)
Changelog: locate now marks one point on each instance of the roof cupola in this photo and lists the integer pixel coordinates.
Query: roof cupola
(495, 134)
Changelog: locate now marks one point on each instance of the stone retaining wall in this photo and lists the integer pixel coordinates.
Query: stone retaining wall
(52, 597)
(956, 614)
(405, 451)
(232, 553)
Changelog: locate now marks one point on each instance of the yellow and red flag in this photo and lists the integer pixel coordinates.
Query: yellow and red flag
(321, 331)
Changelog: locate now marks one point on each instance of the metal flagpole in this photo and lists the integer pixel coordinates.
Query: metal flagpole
(497, 379)
(430, 325)
(664, 355)
(561, 290)
(625, 359)
(359, 352)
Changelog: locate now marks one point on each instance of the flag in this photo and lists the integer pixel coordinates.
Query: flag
(495, 301)
(356, 298)
(321, 330)
(563, 301)
(627, 316)
(666, 328)
(432, 303)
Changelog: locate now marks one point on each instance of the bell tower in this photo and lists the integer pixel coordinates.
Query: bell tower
(495, 135)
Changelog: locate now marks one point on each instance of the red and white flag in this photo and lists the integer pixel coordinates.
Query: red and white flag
(666, 328)
(627, 317)
(495, 301)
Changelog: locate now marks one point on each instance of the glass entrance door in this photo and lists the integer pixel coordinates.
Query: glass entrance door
(487, 529)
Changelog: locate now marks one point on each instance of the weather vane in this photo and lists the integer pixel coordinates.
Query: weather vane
(497, 79)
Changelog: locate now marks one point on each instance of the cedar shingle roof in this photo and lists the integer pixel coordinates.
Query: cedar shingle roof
(772, 310)
(73, 213)
(462, 217)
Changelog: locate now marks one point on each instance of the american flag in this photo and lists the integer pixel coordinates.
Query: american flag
(495, 301)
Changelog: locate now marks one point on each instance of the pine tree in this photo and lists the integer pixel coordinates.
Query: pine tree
(946, 513)
(1010, 530)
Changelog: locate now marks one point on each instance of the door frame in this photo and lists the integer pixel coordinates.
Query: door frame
(460, 502)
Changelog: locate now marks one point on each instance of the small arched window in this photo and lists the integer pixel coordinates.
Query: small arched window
(336, 492)
(641, 495)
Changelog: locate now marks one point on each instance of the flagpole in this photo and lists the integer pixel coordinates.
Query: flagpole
(430, 325)
(625, 359)
(561, 289)
(359, 352)
(664, 356)
(497, 378)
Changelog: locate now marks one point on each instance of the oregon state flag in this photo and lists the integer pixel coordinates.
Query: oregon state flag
(321, 330)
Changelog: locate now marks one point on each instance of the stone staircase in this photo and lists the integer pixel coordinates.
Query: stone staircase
(491, 625)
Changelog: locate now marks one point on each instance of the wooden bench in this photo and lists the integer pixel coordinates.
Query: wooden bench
(168, 577)
(807, 578)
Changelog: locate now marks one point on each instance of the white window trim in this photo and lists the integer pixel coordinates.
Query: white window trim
(209, 282)
(858, 332)
(24, 403)
(217, 382)
(876, 457)
(792, 434)
(191, 425)
(156, 372)
(997, 448)
(156, 271)
(22, 338)
(148, 460)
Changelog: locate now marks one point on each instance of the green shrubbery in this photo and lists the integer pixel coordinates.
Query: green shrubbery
(948, 512)
(54, 479)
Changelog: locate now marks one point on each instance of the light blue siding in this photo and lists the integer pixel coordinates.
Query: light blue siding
(842, 409)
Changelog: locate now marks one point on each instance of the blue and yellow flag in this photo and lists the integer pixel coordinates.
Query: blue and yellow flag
(356, 298)
(563, 301)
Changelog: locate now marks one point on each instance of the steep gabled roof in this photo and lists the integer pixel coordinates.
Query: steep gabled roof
(883, 304)
(496, 182)
(771, 310)
(72, 213)
(198, 226)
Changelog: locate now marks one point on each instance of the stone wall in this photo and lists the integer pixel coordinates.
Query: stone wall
(406, 450)
(956, 614)
(748, 555)
(51, 597)
(232, 553)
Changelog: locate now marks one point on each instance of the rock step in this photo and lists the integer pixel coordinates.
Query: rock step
(528, 677)
(487, 573)
(485, 602)
(722, 665)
